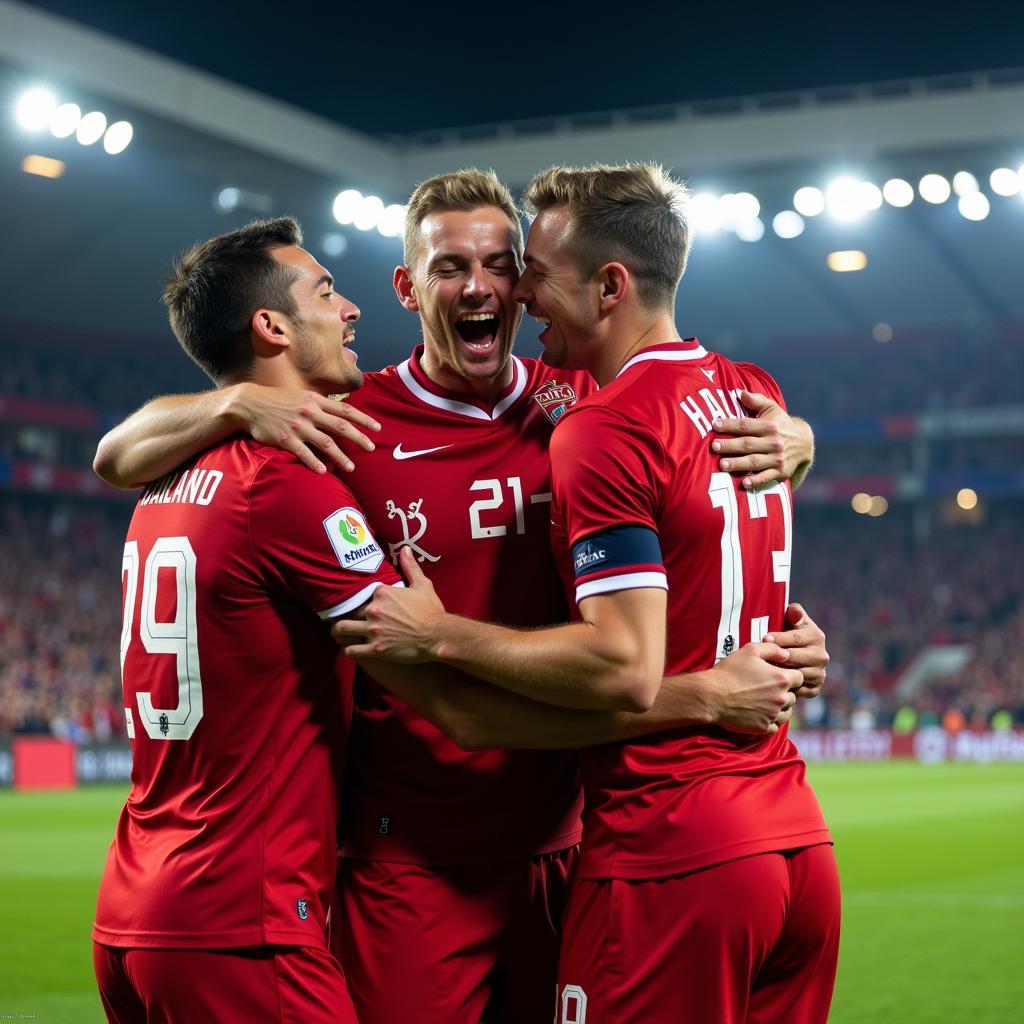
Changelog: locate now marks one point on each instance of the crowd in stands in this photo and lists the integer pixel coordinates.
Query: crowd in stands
(880, 594)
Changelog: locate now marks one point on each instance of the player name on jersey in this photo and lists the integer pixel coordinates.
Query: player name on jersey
(188, 487)
(726, 404)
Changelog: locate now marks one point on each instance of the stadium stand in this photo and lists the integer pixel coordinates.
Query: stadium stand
(885, 588)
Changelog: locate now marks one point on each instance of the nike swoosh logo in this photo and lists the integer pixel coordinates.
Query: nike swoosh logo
(399, 454)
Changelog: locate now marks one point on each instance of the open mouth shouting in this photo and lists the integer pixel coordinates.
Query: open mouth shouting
(479, 331)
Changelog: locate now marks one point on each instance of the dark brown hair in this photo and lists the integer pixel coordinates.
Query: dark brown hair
(215, 287)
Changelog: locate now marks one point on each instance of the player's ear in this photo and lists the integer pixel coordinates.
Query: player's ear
(614, 281)
(270, 328)
(404, 289)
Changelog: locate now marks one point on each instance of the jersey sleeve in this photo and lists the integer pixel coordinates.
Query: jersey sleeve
(761, 381)
(310, 537)
(607, 481)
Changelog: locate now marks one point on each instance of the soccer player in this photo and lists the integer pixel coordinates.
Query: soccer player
(455, 863)
(706, 888)
(213, 902)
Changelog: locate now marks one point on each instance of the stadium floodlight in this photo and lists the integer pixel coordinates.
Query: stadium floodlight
(934, 188)
(737, 207)
(334, 244)
(35, 108)
(788, 224)
(117, 137)
(809, 201)
(861, 502)
(1005, 181)
(845, 261)
(227, 199)
(844, 199)
(42, 166)
(879, 506)
(882, 333)
(751, 230)
(964, 183)
(369, 213)
(974, 205)
(65, 120)
(704, 213)
(91, 128)
(346, 205)
(898, 192)
(870, 195)
(392, 221)
(967, 498)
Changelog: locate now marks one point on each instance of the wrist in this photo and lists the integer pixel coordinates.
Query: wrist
(442, 643)
(234, 410)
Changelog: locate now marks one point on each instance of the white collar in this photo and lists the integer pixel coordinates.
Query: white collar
(463, 408)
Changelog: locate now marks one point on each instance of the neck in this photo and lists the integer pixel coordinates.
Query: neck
(626, 341)
(485, 389)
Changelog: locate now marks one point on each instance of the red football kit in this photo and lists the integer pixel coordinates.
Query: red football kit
(640, 501)
(237, 703)
(467, 487)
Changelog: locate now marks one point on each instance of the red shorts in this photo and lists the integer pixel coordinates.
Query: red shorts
(268, 985)
(442, 945)
(752, 941)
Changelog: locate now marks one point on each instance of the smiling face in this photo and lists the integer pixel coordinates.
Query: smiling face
(324, 325)
(466, 267)
(553, 292)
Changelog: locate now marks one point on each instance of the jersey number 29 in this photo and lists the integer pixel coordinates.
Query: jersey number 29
(177, 636)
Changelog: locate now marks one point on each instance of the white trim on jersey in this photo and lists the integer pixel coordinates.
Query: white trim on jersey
(670, 355)
(462, 408)
(353, 602)
(627, 581)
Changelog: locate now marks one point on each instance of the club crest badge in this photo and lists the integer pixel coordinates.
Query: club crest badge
(555, 399)
(409, 519)
(352, 541)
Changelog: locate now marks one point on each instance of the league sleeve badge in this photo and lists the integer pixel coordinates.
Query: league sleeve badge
(555, 399)
(352, 541)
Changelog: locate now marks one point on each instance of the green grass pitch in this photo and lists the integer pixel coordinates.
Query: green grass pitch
(932, 860)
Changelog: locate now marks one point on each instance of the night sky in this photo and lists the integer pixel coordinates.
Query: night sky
(384, 68)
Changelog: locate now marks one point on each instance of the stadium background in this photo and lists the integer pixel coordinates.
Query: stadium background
(908, 533)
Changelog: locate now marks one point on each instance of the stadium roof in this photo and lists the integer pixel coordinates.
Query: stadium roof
(388, 69)
(106, 231)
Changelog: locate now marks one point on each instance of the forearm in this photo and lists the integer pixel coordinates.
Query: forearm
(570, 666)
(164, 433)
(804, 466)
(478, 716)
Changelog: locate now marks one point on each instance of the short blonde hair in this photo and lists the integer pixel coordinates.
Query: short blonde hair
(633, 214)
(468, 189)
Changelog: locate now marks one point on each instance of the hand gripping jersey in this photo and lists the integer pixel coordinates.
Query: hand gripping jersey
(641, 502)
(467, 488)
(237, 702)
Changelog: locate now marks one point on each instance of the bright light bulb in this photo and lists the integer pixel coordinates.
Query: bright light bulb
(967, 498)
(845, 261)
(392, 221)
(369, 213)
(809, 201)
(898, 192)
(740, 206)
(65, 120)
(228, 199)
(346, 205)
(788, 224)
(843, 199)
(1005, 181)
(117, 137)
(964, 182)
(870, 195)
(934, 188)
(703, 212)
(751, 230)
(35, 108)
(91, 128)
(974, 205)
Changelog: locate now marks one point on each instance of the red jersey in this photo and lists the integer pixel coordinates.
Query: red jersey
(640, 499)
(237, 702)
(467, 487)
